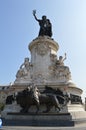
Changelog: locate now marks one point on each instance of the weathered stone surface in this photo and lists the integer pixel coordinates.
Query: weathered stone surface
(44, 68)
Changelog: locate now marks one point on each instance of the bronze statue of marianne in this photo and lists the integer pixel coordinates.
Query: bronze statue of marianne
(45, 25)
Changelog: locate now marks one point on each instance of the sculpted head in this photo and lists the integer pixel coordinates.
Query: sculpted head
(44, 17)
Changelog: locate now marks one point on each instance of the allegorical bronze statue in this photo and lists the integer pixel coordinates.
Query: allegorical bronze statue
(48, 97)
(45, 25)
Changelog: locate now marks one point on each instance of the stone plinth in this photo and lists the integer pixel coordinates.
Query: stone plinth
(45, 69)
(41, 50)
(39, 119)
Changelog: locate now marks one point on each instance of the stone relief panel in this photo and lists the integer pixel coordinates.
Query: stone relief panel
(38, 78)
(42, 49)
(62, 73)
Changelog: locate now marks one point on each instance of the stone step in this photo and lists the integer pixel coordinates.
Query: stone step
(17, 119)
(14, 122)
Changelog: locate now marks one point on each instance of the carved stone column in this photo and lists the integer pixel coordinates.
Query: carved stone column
(41, 48)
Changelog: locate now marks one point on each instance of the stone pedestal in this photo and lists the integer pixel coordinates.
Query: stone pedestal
(38, 120)
(45, 68)
(41, 50)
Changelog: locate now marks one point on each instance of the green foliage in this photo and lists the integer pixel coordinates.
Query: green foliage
(2, 106)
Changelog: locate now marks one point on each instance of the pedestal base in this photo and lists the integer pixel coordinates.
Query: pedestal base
(63, 119)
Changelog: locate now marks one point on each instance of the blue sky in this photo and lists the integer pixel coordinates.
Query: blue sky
(18, 28)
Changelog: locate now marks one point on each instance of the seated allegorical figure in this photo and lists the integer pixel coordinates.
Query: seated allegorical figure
(60, 61)
(24, 69)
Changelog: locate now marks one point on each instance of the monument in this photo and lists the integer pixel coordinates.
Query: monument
(43, 86)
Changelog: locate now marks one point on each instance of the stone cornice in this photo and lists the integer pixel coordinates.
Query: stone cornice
(45, 39)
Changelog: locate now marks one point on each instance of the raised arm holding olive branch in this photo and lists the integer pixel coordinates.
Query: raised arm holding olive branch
(45, 25)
